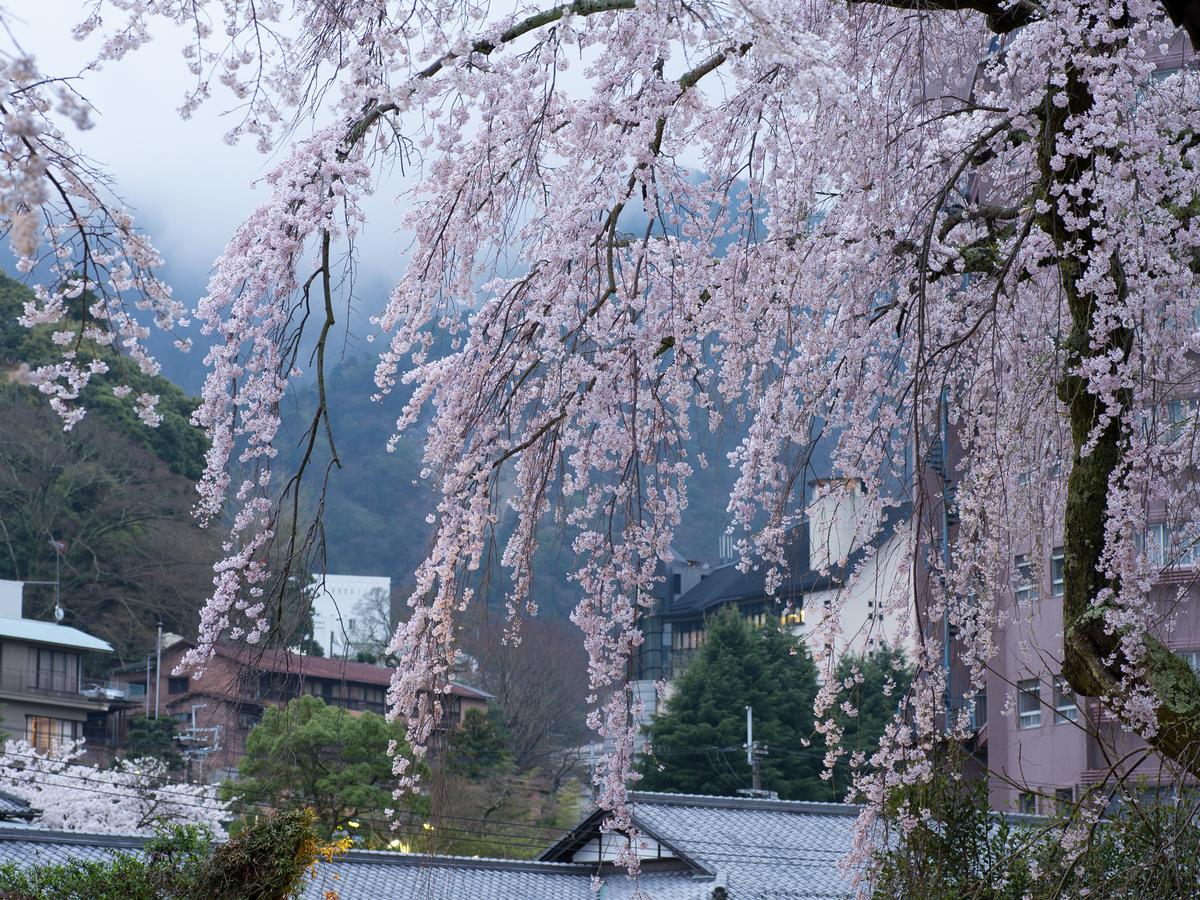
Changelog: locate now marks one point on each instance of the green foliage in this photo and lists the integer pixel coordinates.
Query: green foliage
(954, 847)
(697, 744)
(267, 861)
(117, 493)
(958, 850)
(175, 441)
(478, 747)
(154, 737)
(310, 755)
(879, 681)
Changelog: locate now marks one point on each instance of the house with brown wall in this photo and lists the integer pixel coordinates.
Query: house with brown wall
(216, 711)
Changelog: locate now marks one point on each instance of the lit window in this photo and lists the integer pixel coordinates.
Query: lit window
(1026, 586)
(1065, 708)
(47, 734)
(1029, 703)
(1027, 803)
(1056, 572)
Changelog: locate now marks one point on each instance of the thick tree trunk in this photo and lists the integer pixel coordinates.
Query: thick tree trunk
(1092, 660)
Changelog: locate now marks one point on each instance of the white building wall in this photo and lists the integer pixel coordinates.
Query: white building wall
(865, 619)
(337, 623)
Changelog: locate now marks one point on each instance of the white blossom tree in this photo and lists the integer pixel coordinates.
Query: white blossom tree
(133, 797)
(858, 217)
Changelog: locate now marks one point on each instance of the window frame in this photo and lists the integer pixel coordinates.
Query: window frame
(1028, 719)
(1025, 584)
(1057, 572)
(1064, 711)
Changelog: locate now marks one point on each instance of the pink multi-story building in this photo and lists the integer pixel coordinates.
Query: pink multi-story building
(1044, 746)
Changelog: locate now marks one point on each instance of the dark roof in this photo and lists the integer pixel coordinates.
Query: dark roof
(755, 848)
(375, 875)
(729, 585)
(14, 807)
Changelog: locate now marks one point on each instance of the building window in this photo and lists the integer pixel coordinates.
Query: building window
(1065, 707)
(1029, 703)
(45, 733)
(1026, 585)
(795, 617)
(1056, 572)
(1180, 413)
(689, 639)
(1027, 803)
(57, 671)
(248, 720)
(1166, 548)
(177, 685)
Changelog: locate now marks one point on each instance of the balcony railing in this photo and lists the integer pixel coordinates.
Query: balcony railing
(57, 685)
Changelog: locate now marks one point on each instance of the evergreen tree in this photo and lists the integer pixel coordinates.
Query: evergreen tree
(878, 682)
(308, 754)
(154, 738)
(479, 746)
(698, 744)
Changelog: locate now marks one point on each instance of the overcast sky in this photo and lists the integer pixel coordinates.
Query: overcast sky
(187, 188)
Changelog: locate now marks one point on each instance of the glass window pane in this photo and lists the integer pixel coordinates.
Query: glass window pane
(1029, 703)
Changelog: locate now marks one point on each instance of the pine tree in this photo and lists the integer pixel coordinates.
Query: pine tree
(697, 746)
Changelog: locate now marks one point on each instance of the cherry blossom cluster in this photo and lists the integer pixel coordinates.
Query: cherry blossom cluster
(628, 218)
(133, 797)
(91, 269)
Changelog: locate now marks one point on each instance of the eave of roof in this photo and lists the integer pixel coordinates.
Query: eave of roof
(38, 632)
(287, 663)
(729, 585)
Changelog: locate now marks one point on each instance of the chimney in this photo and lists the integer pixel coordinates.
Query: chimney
(10, 599)
(832, 519)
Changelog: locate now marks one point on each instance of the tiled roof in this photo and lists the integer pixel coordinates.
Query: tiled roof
(368, 875)
(762, 848)
(14, 807)
(768, 849)
(753, 849)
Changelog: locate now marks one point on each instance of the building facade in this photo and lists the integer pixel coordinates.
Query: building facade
(216, 712)
(44, 695)
(816, 583)
(350, 613)
(1045, 746)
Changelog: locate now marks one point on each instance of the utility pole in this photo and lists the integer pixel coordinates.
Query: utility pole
(59, 549)
(157, 668)
(147, 685)
(754, 754)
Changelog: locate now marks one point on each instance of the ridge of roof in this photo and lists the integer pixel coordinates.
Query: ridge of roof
(712, 801)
